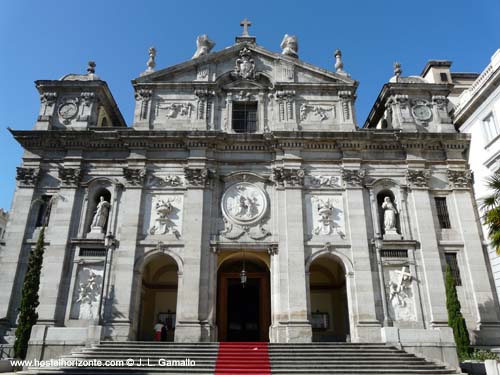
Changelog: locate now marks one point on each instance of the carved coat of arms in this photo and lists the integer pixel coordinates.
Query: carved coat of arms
(245, 65)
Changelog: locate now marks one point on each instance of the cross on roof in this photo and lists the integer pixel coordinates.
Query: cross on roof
(245, 23)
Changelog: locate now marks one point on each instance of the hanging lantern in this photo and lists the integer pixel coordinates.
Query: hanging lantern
(243, 277)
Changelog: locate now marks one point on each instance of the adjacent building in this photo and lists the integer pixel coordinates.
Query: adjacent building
(244, 203)
(4, 218)
(477, 113)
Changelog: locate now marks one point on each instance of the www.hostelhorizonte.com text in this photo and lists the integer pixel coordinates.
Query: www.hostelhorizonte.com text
(129, 362)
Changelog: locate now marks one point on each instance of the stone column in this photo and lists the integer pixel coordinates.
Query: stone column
(484, 304)
(295, 326)
(58, 235)
(366, 323)
(13, 258)
(122, 274)
(188, 325)
(425, 233)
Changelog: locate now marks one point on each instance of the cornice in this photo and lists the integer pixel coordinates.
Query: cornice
(128, 139)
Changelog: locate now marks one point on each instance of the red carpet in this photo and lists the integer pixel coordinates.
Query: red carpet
(250, 358)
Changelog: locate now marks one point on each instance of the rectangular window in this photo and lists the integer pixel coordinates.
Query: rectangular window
(490, 128)
(444, 77)
(245, 117)
(442, 212)
(45, 206)
(451, 260)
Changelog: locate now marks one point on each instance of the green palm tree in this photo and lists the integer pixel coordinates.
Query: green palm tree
(491, 211)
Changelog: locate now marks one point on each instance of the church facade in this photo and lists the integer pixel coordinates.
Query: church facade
(244, 204)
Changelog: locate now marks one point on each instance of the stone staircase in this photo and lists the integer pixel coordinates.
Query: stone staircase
(316, 358)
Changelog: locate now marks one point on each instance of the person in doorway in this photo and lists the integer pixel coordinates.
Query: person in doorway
(158, 330)
(164, 333)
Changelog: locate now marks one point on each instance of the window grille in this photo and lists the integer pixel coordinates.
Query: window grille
(451, 260)
(442, 212)
(394, 253)
(245, 117)
(92, 252)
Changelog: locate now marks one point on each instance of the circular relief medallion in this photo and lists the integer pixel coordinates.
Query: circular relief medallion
(421, 112)
(68, 110)
(244, 203)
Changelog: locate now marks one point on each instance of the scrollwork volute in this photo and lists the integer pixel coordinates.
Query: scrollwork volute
(353, 178)
(459, 179)
(28, 177)
(70, 176)
(289, 176)
(418, 178)
(198, 177)
(134, 176)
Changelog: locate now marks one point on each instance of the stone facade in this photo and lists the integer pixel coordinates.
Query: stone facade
(245, 155)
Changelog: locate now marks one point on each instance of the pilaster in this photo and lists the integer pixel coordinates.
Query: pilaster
(366, 322)
(425, 233)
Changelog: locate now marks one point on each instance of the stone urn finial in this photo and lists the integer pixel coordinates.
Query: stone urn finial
(339, 65)
(397, 69)
(151, 61)
(91, 67)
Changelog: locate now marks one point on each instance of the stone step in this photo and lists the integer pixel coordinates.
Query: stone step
(285, 359)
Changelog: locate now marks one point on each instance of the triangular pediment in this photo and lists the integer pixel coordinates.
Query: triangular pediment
(216, 67)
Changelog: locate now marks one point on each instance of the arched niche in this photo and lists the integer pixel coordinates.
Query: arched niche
(379, 190)
(383, 205)
(328, 298)
(98, 189)
(158, 295)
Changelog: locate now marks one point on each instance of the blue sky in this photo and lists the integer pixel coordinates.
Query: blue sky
(48, 39)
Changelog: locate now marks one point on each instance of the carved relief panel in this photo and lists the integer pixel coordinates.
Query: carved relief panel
(399, 293)
(163, 215)
(245, 209)
(325, 216)
(87, 292)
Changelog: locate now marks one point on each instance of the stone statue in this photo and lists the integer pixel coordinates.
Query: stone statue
(390, 213)
(101, 214)
(290, 46)
(203, 46)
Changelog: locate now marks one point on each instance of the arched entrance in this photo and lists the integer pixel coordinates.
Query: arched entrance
(158, 296)
(243, 309)
(329, 314)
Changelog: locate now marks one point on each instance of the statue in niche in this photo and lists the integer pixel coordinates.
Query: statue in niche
(101, 215)
(163, 224)
(290, 46)
(390, 213)
(203, 46)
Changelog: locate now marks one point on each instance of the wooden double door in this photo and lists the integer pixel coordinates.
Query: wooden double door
(243, 310)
